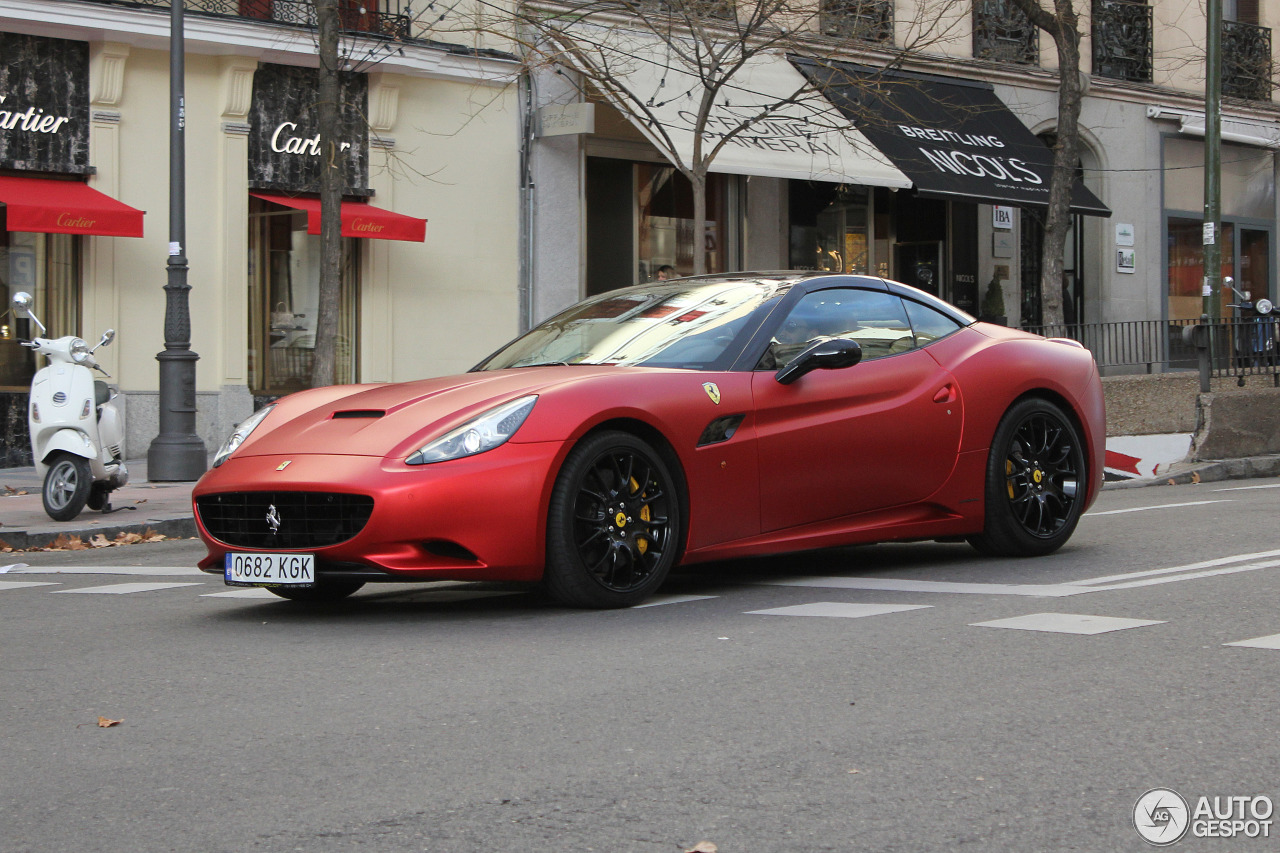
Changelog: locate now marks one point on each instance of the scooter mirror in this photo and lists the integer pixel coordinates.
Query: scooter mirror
(107, 337)
(22, 302)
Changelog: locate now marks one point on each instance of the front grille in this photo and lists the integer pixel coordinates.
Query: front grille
(302, 519)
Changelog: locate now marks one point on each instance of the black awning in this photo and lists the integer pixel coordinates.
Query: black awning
(952, 138)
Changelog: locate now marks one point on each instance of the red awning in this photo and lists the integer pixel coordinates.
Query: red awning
(358, 219)
(52, 206)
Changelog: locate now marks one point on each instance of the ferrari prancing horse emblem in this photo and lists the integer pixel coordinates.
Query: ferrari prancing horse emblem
(713, 391)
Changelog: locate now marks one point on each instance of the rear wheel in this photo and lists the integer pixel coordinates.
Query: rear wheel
(1035, 482)
(321, 593)
(614, 524)
(66, 486)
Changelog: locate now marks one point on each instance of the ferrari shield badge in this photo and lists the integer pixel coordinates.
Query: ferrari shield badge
(713, 391)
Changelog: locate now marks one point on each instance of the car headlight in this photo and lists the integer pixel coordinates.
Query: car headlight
(80, 352)
(485, 432)
(240, 433)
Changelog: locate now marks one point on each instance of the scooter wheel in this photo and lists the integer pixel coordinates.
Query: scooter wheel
(66, 486)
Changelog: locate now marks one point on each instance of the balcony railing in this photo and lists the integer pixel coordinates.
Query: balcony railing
(1246, 61)
(1003, 33)
(369, 17)
(1122, 40)
(1229, 348)
(864, 20)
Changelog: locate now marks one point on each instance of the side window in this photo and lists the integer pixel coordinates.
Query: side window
(929, 325)
(876, 320)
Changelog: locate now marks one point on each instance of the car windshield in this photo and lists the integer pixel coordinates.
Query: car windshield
(685, 324)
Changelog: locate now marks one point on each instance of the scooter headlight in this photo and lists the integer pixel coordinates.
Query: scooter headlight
(1264, 306)
(240, 433)
(80, 351)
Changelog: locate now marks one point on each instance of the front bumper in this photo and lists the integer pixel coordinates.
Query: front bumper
(477, 518)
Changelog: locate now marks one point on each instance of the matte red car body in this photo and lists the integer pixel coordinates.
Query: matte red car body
(890, 449)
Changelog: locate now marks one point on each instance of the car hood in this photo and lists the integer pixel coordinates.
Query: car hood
(393, 419)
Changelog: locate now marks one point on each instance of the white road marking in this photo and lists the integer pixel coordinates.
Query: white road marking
(1066, 623)
(837, 609)
(1248, 488)
(160, 571)
(659, 600)
(4, 585)
(895, 585)
(1271, 642)
(1161, 506)
(125, 588)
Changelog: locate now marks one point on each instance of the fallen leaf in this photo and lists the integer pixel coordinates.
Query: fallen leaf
(126, 538)
(105, 723)
(140, 501)
(1195, 476)
(65, 542)
(702, 847)
(10, 490)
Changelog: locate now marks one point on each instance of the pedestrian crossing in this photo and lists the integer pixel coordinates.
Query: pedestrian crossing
(162, 579)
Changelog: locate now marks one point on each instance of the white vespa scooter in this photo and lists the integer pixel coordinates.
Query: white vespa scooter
(76, 432)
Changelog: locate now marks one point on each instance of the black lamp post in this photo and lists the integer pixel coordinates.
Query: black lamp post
(177, 453)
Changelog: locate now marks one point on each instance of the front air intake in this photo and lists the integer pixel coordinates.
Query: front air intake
(267, 521)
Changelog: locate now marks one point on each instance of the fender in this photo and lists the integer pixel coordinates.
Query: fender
(72, 441)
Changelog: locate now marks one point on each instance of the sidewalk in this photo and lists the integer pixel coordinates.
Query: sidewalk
(139, 506)
(165, 508)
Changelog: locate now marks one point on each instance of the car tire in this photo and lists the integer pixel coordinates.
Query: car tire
(1035, 482)
(614, 525)
(66, 486)
(321, 593)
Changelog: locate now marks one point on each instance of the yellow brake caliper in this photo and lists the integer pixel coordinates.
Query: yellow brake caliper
(642, 544)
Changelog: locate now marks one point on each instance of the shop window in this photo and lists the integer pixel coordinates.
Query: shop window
(665, 222)
(284, 300)
(1248, 227)
(48, 267)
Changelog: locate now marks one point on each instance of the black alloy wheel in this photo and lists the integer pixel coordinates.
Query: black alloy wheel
(614, 524)
(66, 486)
(1035, 482)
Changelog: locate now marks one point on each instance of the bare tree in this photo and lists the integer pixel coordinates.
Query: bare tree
(1059, 19)
(702, 53)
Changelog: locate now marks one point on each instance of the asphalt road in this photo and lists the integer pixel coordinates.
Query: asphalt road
(882, 715)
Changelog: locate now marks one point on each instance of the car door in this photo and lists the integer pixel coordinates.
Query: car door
(881, 433)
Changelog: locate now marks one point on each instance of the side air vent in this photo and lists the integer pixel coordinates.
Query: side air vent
(721, 429)
(359, 413)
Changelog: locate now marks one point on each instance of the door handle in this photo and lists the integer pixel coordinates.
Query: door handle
(946, 394)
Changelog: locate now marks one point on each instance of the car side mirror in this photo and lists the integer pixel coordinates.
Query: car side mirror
(829, 354)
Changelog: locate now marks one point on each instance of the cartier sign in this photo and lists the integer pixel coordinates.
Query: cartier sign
(284, 131)
(44, 104)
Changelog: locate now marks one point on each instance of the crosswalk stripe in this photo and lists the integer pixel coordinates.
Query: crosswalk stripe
(125, 588)
(4, 585)
(839, 609)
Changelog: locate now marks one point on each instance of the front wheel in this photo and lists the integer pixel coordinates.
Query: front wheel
(614, 524)
(66, 486)
(1035, 482)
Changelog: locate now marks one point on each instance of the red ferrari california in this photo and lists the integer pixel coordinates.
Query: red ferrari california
(675, 422)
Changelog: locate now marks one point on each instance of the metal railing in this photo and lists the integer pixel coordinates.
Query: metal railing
(861, 20)
(1002, 32)
(372, 17)
(1122, 40)
(1246, 61)
(1226, 348)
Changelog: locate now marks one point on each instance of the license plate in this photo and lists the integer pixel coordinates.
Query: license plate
(270, 569)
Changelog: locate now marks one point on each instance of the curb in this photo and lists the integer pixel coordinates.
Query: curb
(26, 539)
(1186, 474)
